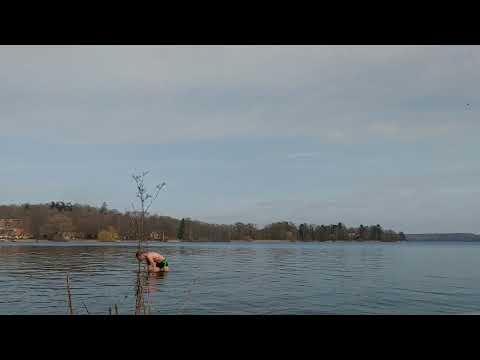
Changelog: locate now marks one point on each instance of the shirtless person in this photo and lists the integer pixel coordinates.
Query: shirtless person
(155, 261)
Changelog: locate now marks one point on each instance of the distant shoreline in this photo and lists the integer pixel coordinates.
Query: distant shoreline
(432, 237)
(186, 242)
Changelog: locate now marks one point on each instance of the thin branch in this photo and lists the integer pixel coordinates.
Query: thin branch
(85, 306)
(157, 192)
(138, 293)
(69, 294)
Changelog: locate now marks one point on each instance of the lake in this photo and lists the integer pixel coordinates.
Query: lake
(245, 278)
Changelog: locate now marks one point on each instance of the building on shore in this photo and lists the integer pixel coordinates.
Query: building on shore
(154, 235)
(353, 235)
(12, 229)
(10, 224)
(62, 236)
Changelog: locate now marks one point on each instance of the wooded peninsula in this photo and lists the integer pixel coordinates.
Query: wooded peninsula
(65, 221)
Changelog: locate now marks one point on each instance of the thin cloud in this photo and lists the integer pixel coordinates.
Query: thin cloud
(337, 94)
(303, 155)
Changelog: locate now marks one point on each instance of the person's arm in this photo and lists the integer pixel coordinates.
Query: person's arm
(152, 265)
(150, 260)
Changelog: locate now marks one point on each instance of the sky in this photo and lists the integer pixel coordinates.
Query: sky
(318, 134)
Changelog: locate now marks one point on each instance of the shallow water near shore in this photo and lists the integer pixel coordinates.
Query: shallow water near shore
(245, 278)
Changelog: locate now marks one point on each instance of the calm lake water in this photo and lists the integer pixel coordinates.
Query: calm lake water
(246, 278)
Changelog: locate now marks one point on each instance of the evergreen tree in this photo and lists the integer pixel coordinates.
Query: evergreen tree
(181, 230)
(363, 232)
(302, 232)
(104, 209)
(378, 232)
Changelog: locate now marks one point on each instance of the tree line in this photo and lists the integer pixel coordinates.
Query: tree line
(45, 221)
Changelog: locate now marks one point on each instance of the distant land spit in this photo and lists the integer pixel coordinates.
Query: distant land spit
(443, 237)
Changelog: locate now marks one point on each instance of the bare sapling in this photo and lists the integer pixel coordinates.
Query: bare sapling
(145, 201)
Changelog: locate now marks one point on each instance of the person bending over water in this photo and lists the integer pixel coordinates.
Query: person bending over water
(155, 261)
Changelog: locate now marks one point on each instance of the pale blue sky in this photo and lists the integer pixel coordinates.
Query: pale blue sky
(362, 134)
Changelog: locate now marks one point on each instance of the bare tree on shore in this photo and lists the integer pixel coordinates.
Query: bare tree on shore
(146, 200)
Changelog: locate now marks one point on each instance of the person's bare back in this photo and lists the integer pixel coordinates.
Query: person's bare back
(155, 261)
